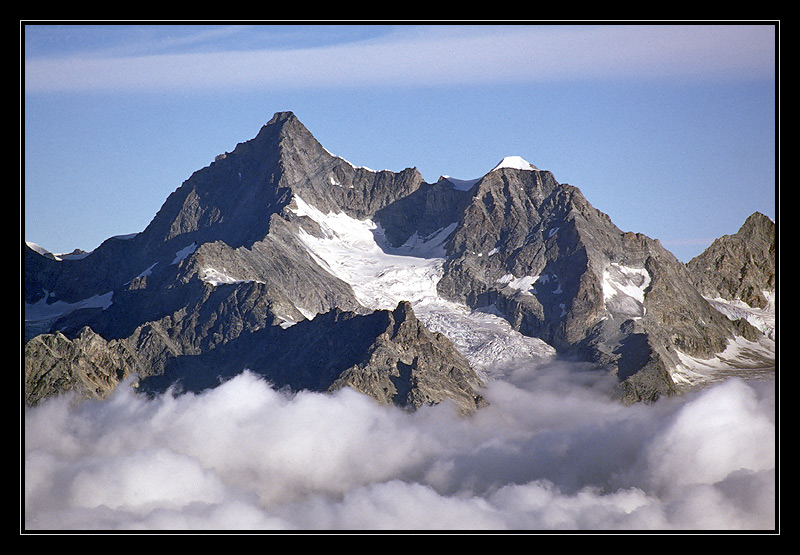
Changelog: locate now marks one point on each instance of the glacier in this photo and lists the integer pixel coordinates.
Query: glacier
(357, 252)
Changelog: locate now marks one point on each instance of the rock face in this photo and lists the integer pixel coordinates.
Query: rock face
(223, 280)
(426, 369)
(559, 269)
(88, 365)
(740, 266)
(217, 276)
(389, 355)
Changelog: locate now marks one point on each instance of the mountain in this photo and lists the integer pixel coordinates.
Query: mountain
(739, 267)
(559, 269)
(288, 261)
(389, 355)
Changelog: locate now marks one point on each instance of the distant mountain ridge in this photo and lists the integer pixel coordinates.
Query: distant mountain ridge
(739, 266)
(279, 241)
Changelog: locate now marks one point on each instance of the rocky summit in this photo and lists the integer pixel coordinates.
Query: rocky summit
(285, 260)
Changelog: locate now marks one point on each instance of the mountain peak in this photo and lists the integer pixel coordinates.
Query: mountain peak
(515, 245)
(758, 220)
(281, 117)
(284, 124)
(516, 163)
(741, 266)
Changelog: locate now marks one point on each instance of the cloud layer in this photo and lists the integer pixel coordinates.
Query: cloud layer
(552, 452)
(432, 55)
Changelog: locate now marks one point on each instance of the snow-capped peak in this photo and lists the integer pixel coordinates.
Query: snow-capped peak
(516, 163)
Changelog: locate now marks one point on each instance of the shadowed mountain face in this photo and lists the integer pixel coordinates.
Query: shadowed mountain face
(246, 266)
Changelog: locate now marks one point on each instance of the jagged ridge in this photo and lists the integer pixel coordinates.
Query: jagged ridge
(224, 261)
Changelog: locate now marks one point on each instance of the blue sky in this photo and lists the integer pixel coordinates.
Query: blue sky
(669, 129)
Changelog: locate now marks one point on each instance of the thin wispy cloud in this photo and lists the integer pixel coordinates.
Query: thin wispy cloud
(423, 55)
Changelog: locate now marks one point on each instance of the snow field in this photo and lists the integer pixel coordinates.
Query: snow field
(623, 290)
(355, 251)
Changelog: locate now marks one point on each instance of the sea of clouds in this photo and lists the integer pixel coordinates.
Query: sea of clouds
(553, 451)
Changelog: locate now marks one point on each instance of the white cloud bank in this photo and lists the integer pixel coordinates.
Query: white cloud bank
(434, 55)
(552, 452)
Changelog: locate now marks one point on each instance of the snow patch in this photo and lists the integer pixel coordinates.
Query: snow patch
(42, 310)
(523, 284)
(527, 284)
(763, 319)
(147, 272)
(623, 290)
(215, 277)
(461, 184)
(516, 163)
(739, 356)
(183, 253)
(38, 248)
(335, 182)
(44, 252)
